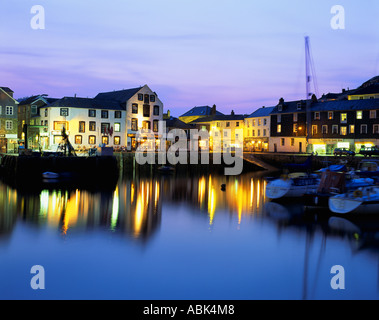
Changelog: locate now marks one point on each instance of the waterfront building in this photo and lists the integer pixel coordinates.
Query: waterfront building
(8, 121)
(143, 113)
(111, 118)
(28, 112)
(225, 131)
(257, 130)
(199, 112)
(88, 122)
(175, 128)
(332, 124)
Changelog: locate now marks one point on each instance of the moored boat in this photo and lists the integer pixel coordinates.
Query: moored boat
(292, 185)
(362, 200)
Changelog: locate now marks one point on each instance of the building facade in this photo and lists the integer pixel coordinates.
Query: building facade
(257, 130)
(8, 121)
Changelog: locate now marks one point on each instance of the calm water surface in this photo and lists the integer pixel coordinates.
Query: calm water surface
(171, 237)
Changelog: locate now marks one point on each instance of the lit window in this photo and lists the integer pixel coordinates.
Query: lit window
(343, 131)
(330, 115)
(78, 139)
(372, 114)
(117, 140)
(279, 128)
(352, 128)
(359, 114)
(92, 139)
(117, 127)
(314, 129)
(343, 117)
(82, 126)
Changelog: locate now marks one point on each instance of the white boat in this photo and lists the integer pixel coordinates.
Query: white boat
(292, 185)
(361, 200)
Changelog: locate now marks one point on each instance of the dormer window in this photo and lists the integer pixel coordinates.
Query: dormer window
(34, 109)
(280, 107)
(299, 106)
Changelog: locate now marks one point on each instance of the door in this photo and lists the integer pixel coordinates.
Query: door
(300, 147)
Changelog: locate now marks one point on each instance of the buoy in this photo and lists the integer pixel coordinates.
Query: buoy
(223, 187)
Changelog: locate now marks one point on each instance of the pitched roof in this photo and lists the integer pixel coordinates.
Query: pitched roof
(337, 105)
(173, 122)
(373, 88)
(120, 96)
(200, 111)
(261, 112)
(220, 117)
(88, 103)
(7, 90)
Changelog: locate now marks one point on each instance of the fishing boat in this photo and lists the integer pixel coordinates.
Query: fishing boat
(50, 175)
(362, 200)
(292, 185)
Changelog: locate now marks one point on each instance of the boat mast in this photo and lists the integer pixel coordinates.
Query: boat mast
(308, 100)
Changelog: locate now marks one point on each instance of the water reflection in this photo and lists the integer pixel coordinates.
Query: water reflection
(134, 208)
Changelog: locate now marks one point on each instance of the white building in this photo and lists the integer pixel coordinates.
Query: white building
(111, 118)
(257, 130)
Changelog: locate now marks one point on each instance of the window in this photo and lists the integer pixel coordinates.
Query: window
(324, 129)
(9, 110)
(64, 112)
(314, 129)
(253, 122)
(46, 112)
(117, 114)
(330, 115)
(155, 125)
(105, 127)
(117, 127)
(279, 118)
(78, 139)
(253, 133)
(134, 124)
(280, 107)
(292, 142)
(218, 124)
(259, 132)
(264, 132)
(237, 124)
(364, 128)
(264, 121)
(375, 129)
(146, 110)
(372, 114)
(92, 126)
(343, 131)
(146, 99)
(59, 125)
(9, 125)
(82, 126)
(359, 115)
(335, 129)
(228, 124)
(91, 113)
(317, 115)
(45, 122)
(105, 140)
(282, 141)
(298, 105)
(352, 128)
(104, 114)
(146, 125)
(117, 140)
(140, 97)
(295, 127)
(259, 122)
(279, 128)
(156, 111)
(343, 117)
(92, 139)
(295, 117)
(152, 98)
(134, 108)
(33, 109)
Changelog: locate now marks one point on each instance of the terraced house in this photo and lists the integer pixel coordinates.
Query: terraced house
(8, 121)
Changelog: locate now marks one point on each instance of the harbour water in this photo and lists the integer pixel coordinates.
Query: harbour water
(175, 236)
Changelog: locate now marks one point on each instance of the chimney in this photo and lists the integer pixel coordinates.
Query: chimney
(232, 113)
(213, 110)
(281, 101)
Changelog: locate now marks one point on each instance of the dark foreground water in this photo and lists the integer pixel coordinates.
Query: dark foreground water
(173, 237)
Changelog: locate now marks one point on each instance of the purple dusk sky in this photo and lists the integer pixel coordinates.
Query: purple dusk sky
(237, 54)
